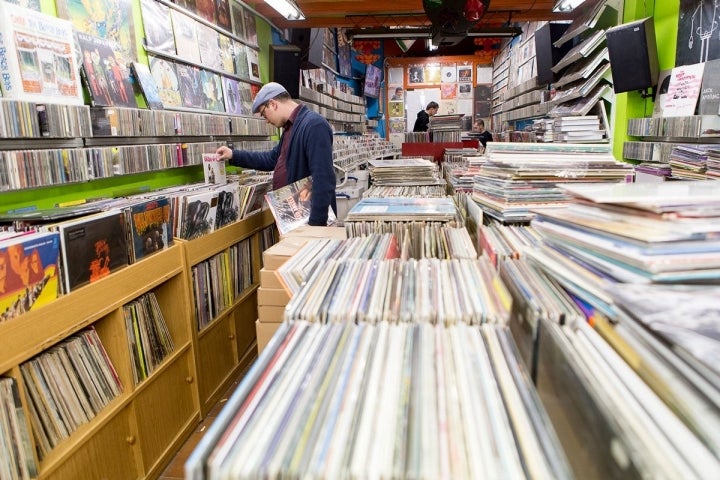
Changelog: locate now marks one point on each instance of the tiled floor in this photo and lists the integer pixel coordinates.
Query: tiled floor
(175, 470)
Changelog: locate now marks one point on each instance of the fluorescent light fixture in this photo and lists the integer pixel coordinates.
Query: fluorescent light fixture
(286, 8)
(496, 32)
(430, 46)
(402, 33)
(563, 6)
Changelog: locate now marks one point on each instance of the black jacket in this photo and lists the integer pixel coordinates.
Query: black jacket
(421, 122)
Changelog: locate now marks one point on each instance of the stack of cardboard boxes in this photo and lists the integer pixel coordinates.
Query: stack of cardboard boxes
(272, 295)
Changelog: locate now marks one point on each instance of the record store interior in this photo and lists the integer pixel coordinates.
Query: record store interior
(419, 239)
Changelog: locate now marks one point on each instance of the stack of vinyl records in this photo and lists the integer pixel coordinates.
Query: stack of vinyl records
(423, 191)
(427, 291)
(667, 232)
(444, 123)
(404, 171)
(332, 401)
(441, 209)
(520, 177)
(689, 162)
(713, 164)
(430, 241)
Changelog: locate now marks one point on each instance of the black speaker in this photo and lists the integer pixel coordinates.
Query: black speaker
(546, 54)
(310, 43)
(285, 67)
(633, 55)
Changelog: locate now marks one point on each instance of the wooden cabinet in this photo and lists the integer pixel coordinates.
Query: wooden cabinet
(138, 432)
(224, 341)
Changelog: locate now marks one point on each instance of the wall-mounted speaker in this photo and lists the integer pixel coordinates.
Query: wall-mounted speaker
(310, 43)
(546, 54)
(633, 55)
(285, 67)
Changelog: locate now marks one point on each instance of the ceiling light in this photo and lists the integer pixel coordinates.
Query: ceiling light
(496, 32)
(564, 6)
(287, 8)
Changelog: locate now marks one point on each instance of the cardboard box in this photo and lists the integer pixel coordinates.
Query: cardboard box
(272, 296)
(269, 279)
(309, 231)
(279, 253)
(265, 332)
(271, 313)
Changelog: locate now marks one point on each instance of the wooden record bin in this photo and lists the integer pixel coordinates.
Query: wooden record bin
(136, 434)
(226, 345)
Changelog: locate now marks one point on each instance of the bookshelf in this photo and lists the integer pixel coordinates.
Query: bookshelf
(136, 434)
(226, 345)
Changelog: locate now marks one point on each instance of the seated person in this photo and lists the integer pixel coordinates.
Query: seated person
(479, 132)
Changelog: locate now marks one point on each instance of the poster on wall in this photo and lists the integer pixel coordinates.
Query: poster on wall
(395, 76)
(448, 74)
(107, 19)
(698, 38)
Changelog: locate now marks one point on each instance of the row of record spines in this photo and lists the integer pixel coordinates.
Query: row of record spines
(39, 168)
(149, 338)
(439, 417)
(268, 238)
(220, 280)
(648, 151)
(15, 448)
(665, 126)
(429, 290)
(130, 122)
(23, 119)
(67, 386)
(447, 136)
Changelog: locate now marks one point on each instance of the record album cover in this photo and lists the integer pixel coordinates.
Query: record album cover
(28, 272)
(151, 228)
(146, 84)
(92, 248)
(290, 205)
(107, 78)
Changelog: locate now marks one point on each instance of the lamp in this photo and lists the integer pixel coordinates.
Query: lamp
(563, 6)
(287, 8)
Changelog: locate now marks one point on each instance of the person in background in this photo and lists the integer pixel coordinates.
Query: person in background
(304, 150)
(422, 122)
(398, 95)
(480, 133)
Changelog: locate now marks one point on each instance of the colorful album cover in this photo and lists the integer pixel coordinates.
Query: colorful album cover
(28, 272)
(107, 78)
(191, 89)
(39, 56)
(227, 55)
(212, 91)
(231, 95)
(151, 228)
(166, 80)
(146, 83)
(186, 43)
(158, 26)
(246, 96)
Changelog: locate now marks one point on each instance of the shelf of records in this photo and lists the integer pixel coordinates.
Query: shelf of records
(90, 365)
(23, 169)
(352, 151)
(688, 129)
(27, 119)
(55, 251)
(677, 161)
(340, 102)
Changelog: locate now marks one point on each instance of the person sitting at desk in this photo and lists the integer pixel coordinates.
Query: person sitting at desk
(479, 132)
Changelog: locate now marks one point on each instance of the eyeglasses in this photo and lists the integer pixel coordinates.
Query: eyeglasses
(262, 109)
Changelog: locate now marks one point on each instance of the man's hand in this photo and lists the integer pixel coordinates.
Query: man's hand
(224, 153)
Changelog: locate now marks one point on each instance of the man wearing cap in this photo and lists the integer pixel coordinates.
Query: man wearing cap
(305, 149)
